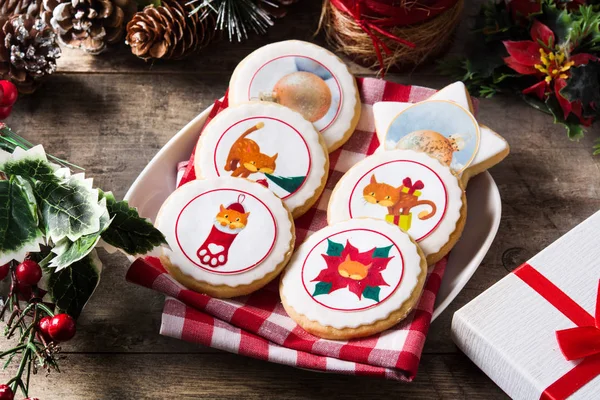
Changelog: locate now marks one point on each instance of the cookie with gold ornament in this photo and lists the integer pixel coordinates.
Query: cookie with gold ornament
(267, 143)
(306, 78)
(226, 236)
(353, 279)
(443, 126)
(408, 189)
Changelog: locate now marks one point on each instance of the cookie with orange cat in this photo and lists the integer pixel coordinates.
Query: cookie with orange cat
(270, 144)
(227, 237)
(408, 189)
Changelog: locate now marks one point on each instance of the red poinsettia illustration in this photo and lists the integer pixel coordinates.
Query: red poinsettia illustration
(348, 267)
(543, 58)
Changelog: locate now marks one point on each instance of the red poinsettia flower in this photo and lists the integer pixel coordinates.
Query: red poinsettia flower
(354, 270)
(524, 8)
(543, 58)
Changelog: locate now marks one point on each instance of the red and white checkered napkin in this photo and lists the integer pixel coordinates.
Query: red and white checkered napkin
(258, 326)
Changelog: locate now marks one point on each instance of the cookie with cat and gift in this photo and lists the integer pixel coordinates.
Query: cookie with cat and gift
(261, 169)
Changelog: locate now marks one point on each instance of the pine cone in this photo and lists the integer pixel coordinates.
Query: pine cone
(16, 7)
(168, 31)
(276, 8)
(90, 25)
(28, 51)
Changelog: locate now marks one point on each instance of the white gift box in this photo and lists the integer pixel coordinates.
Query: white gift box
(509, 330)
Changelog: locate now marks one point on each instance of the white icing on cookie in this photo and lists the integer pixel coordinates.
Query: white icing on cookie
(268, 143)
(406, 188)
(490, 143)
(225, 231)
(301, 76)
(352, 273)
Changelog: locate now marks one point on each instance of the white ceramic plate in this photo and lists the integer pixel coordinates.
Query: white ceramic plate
(157, 181)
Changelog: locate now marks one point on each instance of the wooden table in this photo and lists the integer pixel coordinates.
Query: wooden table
(112, 113)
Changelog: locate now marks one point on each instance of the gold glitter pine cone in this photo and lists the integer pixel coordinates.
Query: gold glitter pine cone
(28, 51)
(90, 25)
(168, 31)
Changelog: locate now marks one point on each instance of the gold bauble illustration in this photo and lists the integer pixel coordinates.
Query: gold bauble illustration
(433, 143)
(305, 93)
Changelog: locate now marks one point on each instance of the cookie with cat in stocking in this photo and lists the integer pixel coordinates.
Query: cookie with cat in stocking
(227, 236)
(270, 144)
(408, 189)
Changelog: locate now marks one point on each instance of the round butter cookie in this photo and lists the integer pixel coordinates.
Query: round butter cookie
(306, 78)
(270, 144)
(353, 279)
(227, 236)
(408, 189)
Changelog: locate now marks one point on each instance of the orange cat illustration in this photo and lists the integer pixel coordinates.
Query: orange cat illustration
(232, 219)
(245, 157)
(395, 199)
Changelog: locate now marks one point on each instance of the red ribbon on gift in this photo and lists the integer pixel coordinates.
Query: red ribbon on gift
(581, 342)
(412, 187)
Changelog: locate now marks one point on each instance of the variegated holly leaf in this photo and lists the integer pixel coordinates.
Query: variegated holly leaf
(69, 207)
(128, 231)
(29, 164)
(19, 232)
(71, 288)
(68, 252)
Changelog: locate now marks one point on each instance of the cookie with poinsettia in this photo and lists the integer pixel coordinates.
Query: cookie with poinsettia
(353, 279)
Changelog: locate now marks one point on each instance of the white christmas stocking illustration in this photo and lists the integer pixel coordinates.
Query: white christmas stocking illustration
(215, 249)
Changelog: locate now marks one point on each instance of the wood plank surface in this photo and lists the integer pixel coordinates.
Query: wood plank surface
(112, 113)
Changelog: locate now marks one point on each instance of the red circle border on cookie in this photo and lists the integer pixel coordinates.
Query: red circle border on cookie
(273, 119)
(337, 83)
(354, 309)
(229, 272)
(414, 162)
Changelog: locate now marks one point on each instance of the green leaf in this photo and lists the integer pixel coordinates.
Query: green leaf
(68, 252)
(31, 164)
(322, 288)
(19, 232)
(371, 292)
(128, 231)
(289, 184)
(334, 249)
(382, 252)
(71, 288)
(584, 85)
(571, 124)
(69, 207)
(559, 21)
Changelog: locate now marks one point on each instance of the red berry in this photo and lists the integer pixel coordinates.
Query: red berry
(28, 272)
(62, 328)
(44, 326)
(6, 392)
(10, 93)
(4, 271)
(5, 112)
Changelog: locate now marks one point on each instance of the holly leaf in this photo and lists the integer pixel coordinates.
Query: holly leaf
(334, 249)
(128, 231)
(71, 288)
(19, 231)
(322, 288)
(69, 207)
(559, 21)
(67, 252)
(571, 124)
(30, 164)
(371, 292)
(584, 85)
(382, 252)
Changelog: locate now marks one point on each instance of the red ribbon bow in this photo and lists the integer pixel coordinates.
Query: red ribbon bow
(581, 342)
(368, 27)
(407, 182)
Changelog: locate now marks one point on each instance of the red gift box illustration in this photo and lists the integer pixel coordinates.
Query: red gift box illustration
(229, 222)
